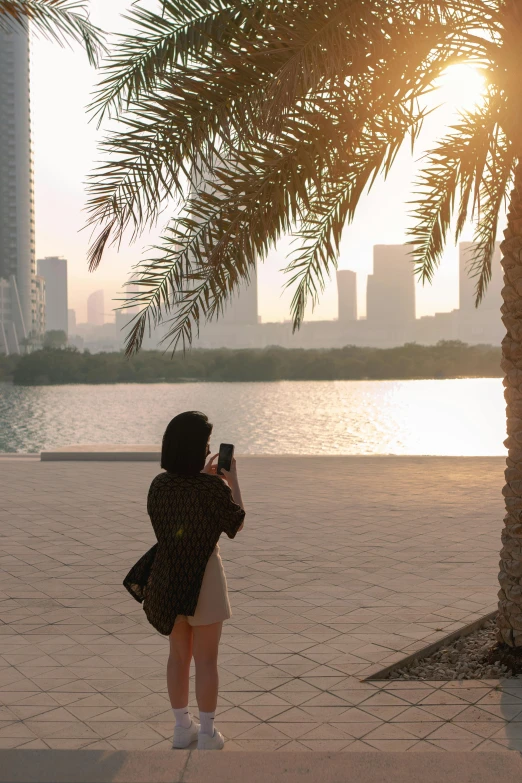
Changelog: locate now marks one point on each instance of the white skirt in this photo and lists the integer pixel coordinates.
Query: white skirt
(213, 604)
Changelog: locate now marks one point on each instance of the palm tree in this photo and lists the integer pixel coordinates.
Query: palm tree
(58, 20)
(250, 119)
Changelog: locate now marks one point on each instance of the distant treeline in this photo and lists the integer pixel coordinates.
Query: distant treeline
(450, 359)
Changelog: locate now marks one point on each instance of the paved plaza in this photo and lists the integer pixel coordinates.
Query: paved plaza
(345, 566)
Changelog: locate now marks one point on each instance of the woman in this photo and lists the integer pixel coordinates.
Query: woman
(181, 580)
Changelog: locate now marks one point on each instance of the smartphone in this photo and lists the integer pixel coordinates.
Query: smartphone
(226, 452)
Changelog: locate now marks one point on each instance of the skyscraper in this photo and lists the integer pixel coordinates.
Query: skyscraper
(17, 254)
(391, 288)
(123, 323)
(347, 295)
(39, 305)
(242, 308)
(390, 297)
(96, 308)
(480, 324)
(71, 322)
(493, 297)
(54, 272)
(12, 328)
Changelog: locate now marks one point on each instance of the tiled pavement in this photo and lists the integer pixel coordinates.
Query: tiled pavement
(345, 565)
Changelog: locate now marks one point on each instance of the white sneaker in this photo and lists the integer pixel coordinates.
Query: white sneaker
(206, 742)
(185, 737)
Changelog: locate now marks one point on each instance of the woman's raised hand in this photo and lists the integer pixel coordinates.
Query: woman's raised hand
(231, 475)
(210, 467)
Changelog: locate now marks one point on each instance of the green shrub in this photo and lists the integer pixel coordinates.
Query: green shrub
(444, 360)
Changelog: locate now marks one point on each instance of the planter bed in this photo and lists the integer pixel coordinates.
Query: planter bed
(473, 656)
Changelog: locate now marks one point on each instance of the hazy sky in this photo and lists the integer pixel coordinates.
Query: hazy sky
(64, 144)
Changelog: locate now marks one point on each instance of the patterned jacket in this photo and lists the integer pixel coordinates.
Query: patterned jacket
(188, 514)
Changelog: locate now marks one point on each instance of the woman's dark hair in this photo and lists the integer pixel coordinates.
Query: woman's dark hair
(184, 447)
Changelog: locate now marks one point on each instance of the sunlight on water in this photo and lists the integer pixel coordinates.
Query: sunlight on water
(439, 417)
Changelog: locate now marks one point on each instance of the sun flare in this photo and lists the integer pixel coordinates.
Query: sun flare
(462, 85)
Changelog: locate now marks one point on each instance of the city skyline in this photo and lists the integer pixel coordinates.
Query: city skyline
(65, 153)
(390, 320)
(388, 279)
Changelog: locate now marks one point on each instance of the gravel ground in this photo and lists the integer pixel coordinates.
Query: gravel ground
(473, 657)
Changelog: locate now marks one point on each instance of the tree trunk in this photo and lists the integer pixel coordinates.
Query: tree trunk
(510, 576)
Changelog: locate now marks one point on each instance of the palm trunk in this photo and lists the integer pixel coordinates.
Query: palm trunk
(510, 576)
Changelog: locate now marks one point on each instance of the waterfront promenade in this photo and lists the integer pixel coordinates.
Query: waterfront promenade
(345, 565)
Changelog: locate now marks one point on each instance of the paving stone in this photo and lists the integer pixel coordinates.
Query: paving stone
(393, 745)
(326, 745)
(321, 598)
(267, 746)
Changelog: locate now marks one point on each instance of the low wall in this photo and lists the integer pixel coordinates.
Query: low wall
(103, 452)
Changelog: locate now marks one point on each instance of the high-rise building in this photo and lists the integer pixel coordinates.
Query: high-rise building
(39, 306)
(480, 324)
(96, 308)
(391, 288)
(123, 319)
(390, 297)
(12, 327)
(71, 322)
(242, 308)
(347, 295)
(493, 297)
(54, 272)
(17, 254)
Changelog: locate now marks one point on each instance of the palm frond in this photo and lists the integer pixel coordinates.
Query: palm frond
(182, 33)
(370, 156)
(334, 205)
(227, 225)
(130, 189)
(335, 44)
(250, 202)
(494, 187)
(217, 102)
(162, 143)
(454, 169)
(325, 43)
(261, 117)
(59, 20)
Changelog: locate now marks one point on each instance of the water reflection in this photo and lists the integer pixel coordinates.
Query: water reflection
(440, 417)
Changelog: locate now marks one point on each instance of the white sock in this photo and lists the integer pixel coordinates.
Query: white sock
(207, 723)
(183, 717)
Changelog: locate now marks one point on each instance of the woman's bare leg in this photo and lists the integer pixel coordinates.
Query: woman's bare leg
(206, 644)
(178, 665)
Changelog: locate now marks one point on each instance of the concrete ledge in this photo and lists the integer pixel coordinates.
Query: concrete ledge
(91, 766)
(151, 453)
(103, 452)
(425, 652)
(100, 766)
(10, 455)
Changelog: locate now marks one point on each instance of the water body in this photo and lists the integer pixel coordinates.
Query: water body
(463, 417)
